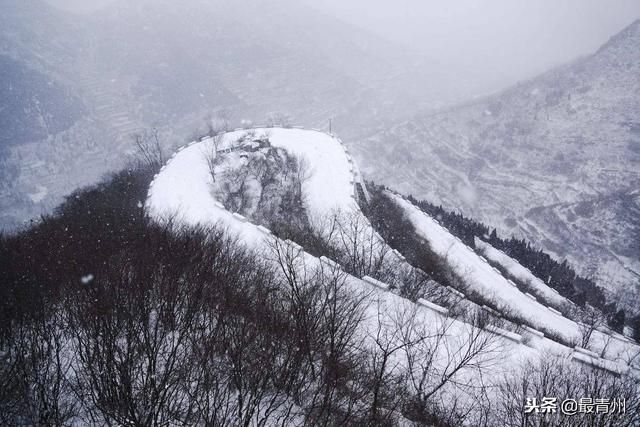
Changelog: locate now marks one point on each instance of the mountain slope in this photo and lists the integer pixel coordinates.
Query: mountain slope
(138, 65)
(554, 159)
(31, 105)
(106, 276)
(184, 192)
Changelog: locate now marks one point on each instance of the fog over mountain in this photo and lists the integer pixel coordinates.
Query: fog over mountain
(498, 42)
(134, 66)
(82, 77)
(502, 41)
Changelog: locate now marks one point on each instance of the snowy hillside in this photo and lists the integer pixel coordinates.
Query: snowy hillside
(145, 298)
(522, 273)
(185, 240)
(553, 159)
(488, 281)
(185, 190)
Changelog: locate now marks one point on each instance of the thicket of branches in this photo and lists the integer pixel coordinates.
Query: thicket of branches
(561, 379)
(109, 318)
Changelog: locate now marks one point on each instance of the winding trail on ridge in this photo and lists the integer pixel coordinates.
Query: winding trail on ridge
(182, 190)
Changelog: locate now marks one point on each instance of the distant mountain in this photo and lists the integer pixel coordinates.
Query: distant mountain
(135, 65)
(36, 99)
(32, 106)
(555, 159)
(263, 57)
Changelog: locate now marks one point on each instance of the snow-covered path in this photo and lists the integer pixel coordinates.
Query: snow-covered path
(183, 191)
(488, 281)
(184, 186)
(521, 273)
(479, 275)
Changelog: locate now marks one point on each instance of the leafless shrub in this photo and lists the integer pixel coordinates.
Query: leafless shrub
(415, 284)
(391, 335)
(35, 375)
(355, 244)
(149, 148)
(590, 319)
(327, 316)
(439, 358)
(211, 154)
(561, 379)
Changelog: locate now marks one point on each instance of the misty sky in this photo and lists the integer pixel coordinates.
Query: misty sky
(494, 42)
(497, 40)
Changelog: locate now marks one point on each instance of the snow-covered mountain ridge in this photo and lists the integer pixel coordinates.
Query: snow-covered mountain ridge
(183, 191)
(553, 159)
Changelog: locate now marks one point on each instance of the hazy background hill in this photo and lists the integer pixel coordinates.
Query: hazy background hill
(98, 77)
(554, 159)
(33, 105)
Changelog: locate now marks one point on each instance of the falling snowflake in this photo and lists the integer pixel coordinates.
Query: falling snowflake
(86, 279)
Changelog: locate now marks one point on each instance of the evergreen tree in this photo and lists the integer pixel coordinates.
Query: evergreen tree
(636, 328)
(580, 299)
(616, 322)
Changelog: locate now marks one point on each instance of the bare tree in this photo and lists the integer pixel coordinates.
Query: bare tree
(35, 385)
(447, 351)
(297, 172)
(149, 148)
(415, 284)
(327, 315)
(356, 245)
(131, 348)
(560, 379)
(590, 319)
(393, 334)
(211, 154)
(12, 386)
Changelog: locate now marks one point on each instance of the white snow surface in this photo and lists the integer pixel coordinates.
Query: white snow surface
(183, 191)
(480, 275)
(489, 282)
(520, 272)
(184, 187)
